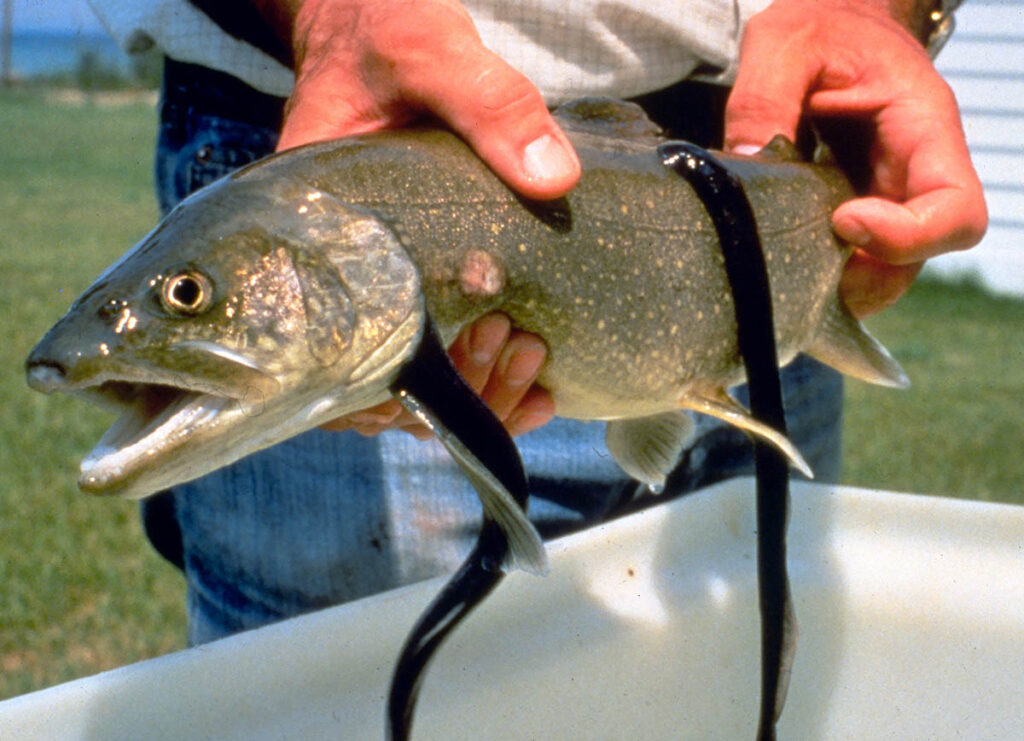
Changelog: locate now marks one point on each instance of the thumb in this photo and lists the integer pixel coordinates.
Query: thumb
(503, 117)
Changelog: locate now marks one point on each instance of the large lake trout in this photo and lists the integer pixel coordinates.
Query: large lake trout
(325, 279)
(297, 289)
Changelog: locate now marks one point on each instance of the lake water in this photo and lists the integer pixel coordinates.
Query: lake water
(45, 53)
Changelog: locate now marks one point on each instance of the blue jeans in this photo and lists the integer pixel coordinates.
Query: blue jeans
(325, 517)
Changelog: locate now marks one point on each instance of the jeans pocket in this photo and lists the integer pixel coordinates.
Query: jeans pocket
(213, 148)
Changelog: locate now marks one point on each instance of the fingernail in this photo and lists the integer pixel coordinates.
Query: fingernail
(853, 232)
(367, 418)
(519, 423)
(546, 158)
(746, 150)
(524, 364)
(486, 339)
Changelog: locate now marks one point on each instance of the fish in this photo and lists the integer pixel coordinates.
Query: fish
(299, 288)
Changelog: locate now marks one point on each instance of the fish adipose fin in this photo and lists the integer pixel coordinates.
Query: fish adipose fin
(432, 390)
(845, 345)
(648, 448)
(718, 403)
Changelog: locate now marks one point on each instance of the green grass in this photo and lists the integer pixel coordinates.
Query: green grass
(959, 429)
(82, 591)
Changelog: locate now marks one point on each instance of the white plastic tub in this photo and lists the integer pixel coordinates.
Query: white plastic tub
(911, 613)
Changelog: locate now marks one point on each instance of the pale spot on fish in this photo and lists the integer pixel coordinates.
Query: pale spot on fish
(481, 274)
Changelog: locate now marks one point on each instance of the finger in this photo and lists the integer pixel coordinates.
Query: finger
(869, 285)
(321, 109)
(767, 98)
(535, 410)
(502, 116)
(950, 218)
(383, 415)
(476, 349)
(517, 368)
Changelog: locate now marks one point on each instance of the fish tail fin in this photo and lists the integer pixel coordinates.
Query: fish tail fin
(845, 345)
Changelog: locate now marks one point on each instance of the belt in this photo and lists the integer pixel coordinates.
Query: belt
(192, 89)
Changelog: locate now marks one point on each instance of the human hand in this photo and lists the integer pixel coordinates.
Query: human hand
(364, 65)
(848, 58)
(499, 363)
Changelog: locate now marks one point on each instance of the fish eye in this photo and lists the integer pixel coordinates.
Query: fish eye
(188, 293)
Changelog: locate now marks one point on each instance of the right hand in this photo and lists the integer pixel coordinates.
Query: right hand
(365, 65)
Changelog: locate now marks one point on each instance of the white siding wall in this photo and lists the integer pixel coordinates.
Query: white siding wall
(984, 64)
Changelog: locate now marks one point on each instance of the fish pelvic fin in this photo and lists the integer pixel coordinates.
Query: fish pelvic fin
(526, 549)
(845, 345)
(718, 403)
(647, 448)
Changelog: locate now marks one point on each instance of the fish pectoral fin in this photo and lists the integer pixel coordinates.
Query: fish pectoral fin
(525, 544)
(429, 386)
(526, 549)
(718, 403)
(648, 448)
(845, 345)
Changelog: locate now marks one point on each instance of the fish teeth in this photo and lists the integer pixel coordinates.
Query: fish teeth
(136, 436)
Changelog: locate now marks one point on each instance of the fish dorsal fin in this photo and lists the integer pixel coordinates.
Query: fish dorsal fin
(823, 154)
(780, 149)
(718, 403)
(607, 117)
(648, 448)
(431, 388)
(845, 345)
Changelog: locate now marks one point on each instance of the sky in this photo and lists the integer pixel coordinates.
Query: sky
(64, 15)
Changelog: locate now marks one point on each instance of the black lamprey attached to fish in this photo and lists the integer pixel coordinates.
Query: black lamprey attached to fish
(431, 388)
(748, 276)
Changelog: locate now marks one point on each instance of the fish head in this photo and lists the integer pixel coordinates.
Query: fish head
(255, 310)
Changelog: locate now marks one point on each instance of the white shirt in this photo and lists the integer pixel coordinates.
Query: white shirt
(568, 48)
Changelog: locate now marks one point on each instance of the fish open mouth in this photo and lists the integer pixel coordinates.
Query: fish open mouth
(167, 417)
(154, 420)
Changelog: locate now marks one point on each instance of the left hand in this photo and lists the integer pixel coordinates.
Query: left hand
(848, 58)
(498, 362)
